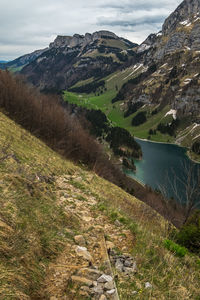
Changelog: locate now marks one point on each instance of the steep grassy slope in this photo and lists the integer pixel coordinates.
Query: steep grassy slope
(46, 201)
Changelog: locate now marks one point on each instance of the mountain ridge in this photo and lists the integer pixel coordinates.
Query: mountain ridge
(69, 59)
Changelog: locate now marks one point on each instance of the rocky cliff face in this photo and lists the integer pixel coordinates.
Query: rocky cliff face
(184, 12)
(81, 40)
(172, 59)
(181, 30)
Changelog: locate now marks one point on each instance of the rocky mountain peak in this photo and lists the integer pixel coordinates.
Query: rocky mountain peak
(81, 40)
(186, 11)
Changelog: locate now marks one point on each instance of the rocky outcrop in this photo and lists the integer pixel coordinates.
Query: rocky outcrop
(81, 40)
(181, 30)
(172, 58)
(185, 11)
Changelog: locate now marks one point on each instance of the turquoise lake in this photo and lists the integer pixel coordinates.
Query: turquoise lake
(162, 165)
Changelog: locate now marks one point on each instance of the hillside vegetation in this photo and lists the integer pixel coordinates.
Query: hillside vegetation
(48, 118)
(46, 201)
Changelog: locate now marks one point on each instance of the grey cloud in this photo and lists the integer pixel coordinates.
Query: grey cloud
(146, 5)
(123, 23)
(26, 25)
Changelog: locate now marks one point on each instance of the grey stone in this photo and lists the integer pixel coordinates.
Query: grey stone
(104, 278)
(119, 265)
(128, 263)
(92, 274)
(111, 292)
(117, 223)
(148, 285)
(82, 251)
(98, 290)
(134, 293)
(109, 285)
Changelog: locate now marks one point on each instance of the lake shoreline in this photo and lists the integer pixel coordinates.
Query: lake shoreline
(187, 153)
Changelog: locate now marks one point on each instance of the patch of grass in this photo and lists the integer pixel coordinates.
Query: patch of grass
(32, 227)
(81, 198)
(175, 248)
(114, 216)
(115, 113)
(133, 227)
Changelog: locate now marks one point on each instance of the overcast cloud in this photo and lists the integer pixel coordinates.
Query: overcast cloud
(27, 25)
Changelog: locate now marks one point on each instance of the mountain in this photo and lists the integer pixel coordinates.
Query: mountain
(159, 79)
(163, 86)
(172, 78)
(70, 59)
(18, 63)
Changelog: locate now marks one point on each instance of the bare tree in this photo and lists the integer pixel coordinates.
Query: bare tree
(185, 188)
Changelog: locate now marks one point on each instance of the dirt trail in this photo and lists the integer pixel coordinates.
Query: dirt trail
(76, 272)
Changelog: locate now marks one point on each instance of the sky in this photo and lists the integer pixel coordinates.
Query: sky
(28, 25)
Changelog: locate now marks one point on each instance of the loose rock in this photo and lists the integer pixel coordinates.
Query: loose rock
(117, 223)
(109, 285)
(111, 292)
(134, 293)
(82, 251)
(104, 278)
(148, 285)
(119, 265)
(98, 290)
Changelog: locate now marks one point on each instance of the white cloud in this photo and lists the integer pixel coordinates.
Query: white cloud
(27, 25)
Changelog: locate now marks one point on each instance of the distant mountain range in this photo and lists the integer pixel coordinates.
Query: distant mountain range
(160, 79)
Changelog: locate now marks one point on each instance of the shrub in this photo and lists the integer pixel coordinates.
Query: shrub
(132, 108)
(114, 215)
(189, 234)
(133, 227)
(175, 248)
(140, 118)
(168, 128)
